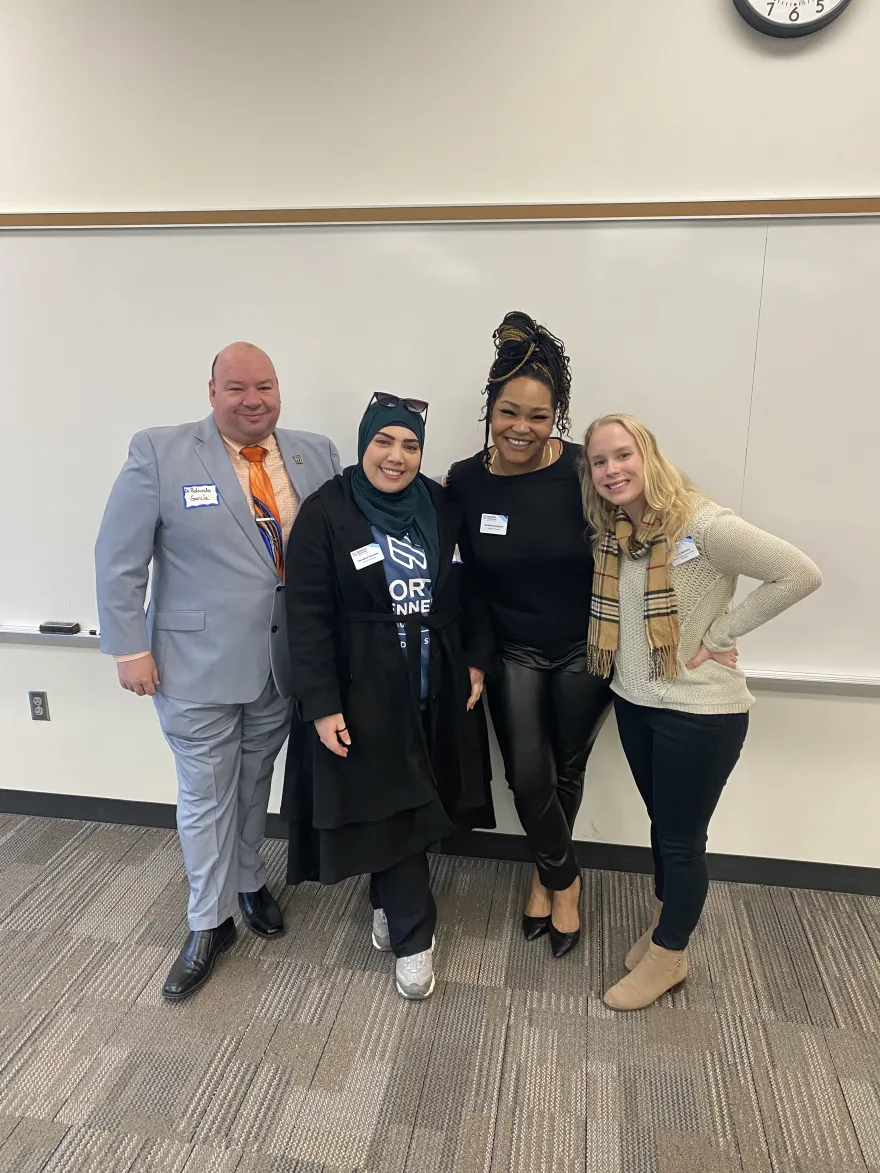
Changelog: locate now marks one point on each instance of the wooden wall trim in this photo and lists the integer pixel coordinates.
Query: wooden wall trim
(452, 213)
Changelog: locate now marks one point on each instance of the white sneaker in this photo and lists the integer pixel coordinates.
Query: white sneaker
(381, 936)
(414, 976)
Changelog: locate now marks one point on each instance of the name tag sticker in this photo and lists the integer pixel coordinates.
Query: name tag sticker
(195, 496)
(687, 551)
(456, 555)
(367, 555)
(494, 523)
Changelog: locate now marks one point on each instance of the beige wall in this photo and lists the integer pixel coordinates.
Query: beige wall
(814, 805)
(152, 104)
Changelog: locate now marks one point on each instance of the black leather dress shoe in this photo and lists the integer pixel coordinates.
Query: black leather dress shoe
(562, 943)
(535, 926)
(260, 912)
(196, 960)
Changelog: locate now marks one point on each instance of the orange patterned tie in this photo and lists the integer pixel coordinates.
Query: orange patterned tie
(266, 507)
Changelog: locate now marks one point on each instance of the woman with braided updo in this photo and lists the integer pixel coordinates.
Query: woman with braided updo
(522, 507)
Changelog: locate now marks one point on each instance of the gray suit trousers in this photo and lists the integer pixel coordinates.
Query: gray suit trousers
(224, 756)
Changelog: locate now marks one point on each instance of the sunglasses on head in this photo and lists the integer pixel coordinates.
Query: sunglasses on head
(419, 406)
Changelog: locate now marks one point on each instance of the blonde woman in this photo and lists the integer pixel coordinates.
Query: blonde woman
(667, 560)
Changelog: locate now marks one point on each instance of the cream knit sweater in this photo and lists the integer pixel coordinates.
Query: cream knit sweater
(704, 588)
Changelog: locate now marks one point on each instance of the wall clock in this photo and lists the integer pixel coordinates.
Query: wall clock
(790, 18)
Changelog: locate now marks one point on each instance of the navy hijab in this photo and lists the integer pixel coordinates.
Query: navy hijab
(409, 513)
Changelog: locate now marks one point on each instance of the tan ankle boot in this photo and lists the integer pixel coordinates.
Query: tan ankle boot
(658, 971)
(640, 948)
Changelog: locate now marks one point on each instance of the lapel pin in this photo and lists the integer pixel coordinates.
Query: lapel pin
(297, 459)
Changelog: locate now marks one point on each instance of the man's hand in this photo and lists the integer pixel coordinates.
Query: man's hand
(139, 676)
(333, 734)
(477, 678)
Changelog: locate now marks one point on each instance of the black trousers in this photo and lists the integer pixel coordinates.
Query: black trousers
(547, 715)
(680, 762)
(404, 893)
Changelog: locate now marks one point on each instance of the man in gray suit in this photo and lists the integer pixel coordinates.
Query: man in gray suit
(211, 505)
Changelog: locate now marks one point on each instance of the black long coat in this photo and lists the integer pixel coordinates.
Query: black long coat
(411, 776)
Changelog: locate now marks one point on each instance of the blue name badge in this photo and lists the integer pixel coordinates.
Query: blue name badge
(194, 496)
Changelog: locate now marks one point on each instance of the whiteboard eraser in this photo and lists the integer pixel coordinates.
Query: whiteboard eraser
(59, 627)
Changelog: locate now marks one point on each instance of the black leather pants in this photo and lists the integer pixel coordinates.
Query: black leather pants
(547, 714)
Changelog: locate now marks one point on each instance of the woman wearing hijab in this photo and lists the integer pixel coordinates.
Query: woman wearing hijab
(389, 643)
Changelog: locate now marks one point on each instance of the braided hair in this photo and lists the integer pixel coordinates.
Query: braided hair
(525, 349)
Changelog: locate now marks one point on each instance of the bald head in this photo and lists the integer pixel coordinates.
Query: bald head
(244, 393)
(236, 349)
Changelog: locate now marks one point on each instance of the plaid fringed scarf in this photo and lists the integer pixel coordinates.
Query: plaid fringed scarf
(661, 607)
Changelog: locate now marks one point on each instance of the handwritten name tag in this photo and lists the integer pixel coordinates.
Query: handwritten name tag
(195, 496)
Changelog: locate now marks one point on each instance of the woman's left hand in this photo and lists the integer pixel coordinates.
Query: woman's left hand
(477, 678)
(728, 658)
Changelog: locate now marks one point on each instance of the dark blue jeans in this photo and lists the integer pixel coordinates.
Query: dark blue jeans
(680, 762)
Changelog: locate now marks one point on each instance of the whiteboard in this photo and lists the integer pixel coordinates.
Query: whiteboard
(814, 440)
(708, 331)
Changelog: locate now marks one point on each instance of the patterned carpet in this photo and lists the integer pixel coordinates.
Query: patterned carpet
(298, 1056)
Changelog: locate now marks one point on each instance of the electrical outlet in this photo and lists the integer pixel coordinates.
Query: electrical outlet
(39, 706)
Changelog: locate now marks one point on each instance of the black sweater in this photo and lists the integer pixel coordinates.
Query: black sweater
(538, 577)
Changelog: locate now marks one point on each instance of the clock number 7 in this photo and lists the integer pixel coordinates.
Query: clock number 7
(770, 7)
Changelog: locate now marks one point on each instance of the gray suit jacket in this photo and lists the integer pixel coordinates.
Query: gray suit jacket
(216, 622)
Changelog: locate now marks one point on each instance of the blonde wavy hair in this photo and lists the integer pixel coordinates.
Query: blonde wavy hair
(667, 490)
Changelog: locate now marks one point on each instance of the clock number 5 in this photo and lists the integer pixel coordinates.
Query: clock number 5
(794, 15)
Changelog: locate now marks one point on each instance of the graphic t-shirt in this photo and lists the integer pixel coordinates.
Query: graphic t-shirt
(409, 584)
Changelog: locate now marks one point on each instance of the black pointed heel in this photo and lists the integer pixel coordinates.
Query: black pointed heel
(562, 943)
(534, 927)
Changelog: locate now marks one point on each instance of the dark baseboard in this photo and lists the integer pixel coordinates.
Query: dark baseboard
(88, 809)
(738, 869)
(612, 857)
